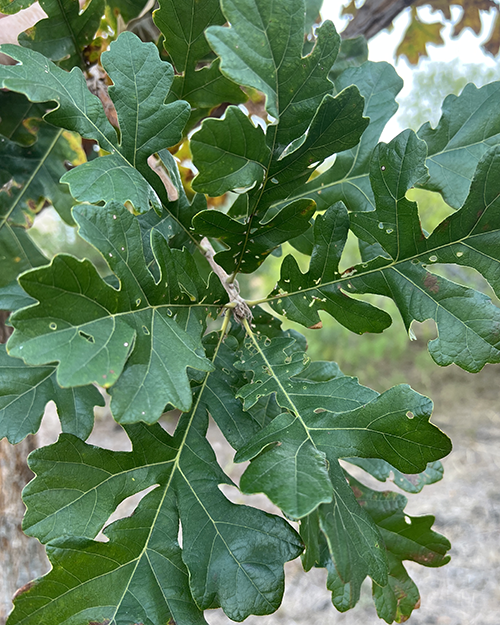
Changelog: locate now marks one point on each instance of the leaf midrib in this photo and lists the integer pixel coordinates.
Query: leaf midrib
(390, 265)
(175, 467)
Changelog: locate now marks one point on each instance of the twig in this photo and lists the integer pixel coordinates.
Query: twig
(240, 308)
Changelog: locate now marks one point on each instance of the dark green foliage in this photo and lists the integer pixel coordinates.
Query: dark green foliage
(145, 324)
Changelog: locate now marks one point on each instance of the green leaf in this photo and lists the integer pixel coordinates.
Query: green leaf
(232, 555)
(313, 7)
(219, 398)
(12, 297)
(19, 118)
(13, 6)
(118, 337)
(399, 536)
(24, 393)
(174, 220)
(354, 546)
(334, 419)
(243, 575)
(32, 162)
(140, 85)
(468, 127)
(108, 178)
(128, 9)
(64, 34)
(321, 371)
(337, 126)
(352, 53)
(300, 296)
(405, 538)
(33, 174)
(41, 81)
(409, 482)
(239, 425)
(302, 467)
(140, 324)
(263, 49)
(395, 168)
(259, 241)
(18, 253)
(183, 25)
(147, 125)
(347, 179)
(396, 600)
(229, 153)
(466, 319)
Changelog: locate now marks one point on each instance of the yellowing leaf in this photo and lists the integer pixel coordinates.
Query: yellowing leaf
(416, 38)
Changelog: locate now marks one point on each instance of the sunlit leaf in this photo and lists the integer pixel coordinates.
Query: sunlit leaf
(117, 337)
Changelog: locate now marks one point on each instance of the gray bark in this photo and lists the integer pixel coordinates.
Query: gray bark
(374, 16)
(21, 558)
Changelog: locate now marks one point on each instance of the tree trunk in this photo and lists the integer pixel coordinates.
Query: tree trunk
(21, 558)
(374, 16)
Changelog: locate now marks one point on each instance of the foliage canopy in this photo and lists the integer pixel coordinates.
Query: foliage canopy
(149, 328)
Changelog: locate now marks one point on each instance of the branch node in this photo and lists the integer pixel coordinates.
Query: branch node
(240, 309)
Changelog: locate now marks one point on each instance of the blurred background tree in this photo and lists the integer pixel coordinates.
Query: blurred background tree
(370, 17)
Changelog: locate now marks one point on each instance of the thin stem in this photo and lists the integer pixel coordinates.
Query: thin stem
(237, 304)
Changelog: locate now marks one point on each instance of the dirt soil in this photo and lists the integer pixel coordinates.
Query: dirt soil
(466, 504)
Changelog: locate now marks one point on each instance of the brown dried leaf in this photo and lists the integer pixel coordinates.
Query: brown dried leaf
(493, 44)
(98, 85)
(158, 168)
(471, 17)
(316, 326)
(349, 9)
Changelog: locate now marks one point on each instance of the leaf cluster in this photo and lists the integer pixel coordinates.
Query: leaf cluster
(304, 165)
